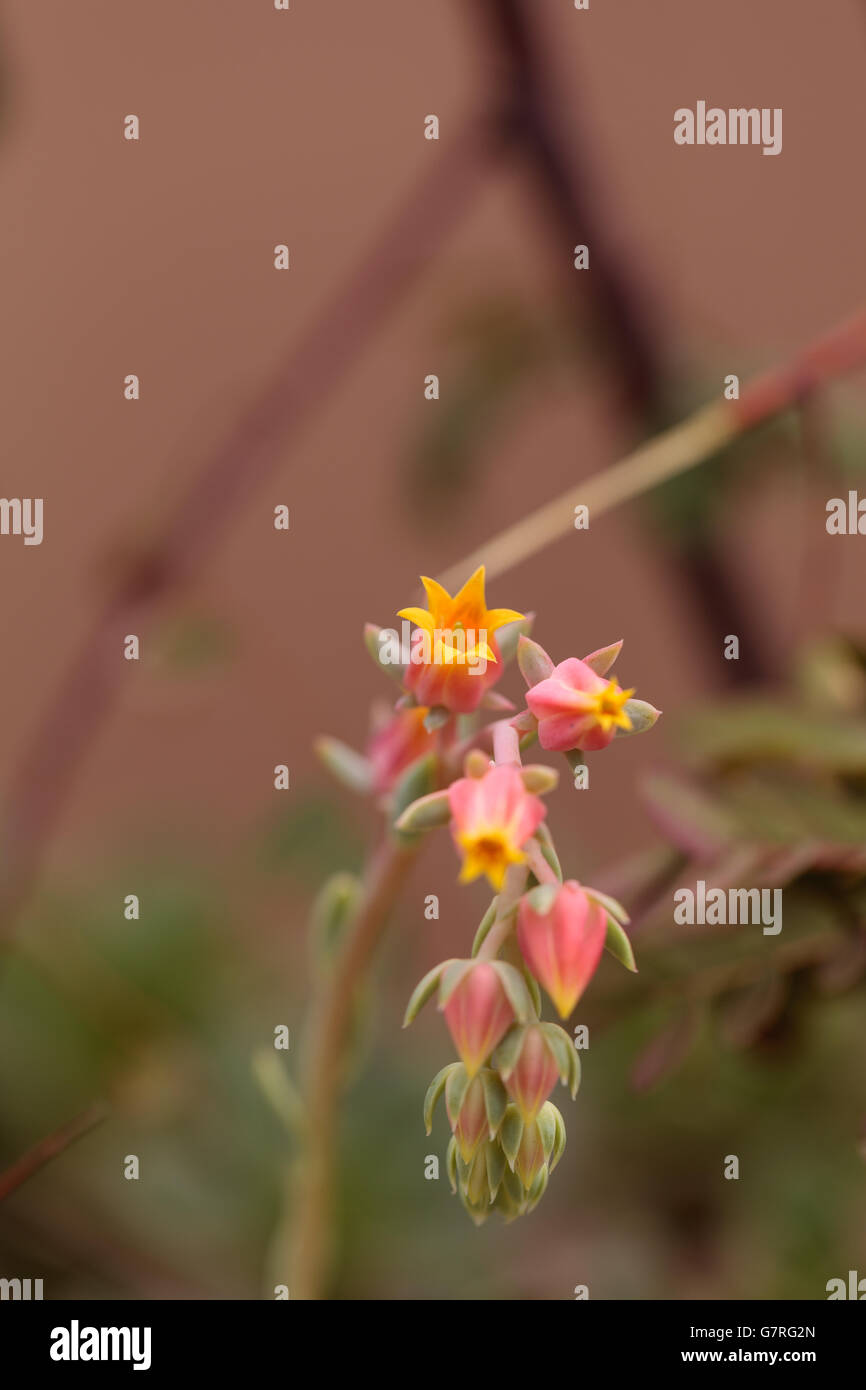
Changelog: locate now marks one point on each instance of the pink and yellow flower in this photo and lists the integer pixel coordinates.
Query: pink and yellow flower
(464, 658)
(478, 1013)
(492, 818)
(577, 708)
(563, 946)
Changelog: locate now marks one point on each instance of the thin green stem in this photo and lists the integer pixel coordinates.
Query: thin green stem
(328, 1039)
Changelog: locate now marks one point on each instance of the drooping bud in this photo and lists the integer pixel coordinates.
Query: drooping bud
(561, 937)
(536, 1146)
(530, 1060)
(477, 1008)
(478, 1181)
(475, 1108)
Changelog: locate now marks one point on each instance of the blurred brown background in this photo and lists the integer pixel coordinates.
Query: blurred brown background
(156, 258)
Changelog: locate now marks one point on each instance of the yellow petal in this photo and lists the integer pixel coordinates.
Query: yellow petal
(419, 616)
(498, 617)
(471, 596)
(438, 598)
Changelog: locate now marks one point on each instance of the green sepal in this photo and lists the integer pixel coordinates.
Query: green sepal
(611, 906)
(496, 1166)
(371, 641)
(452, 975)
(508, 637)
(495, 1101)
(532, 985)
(417, 784)
(542, 898)
(507, 1054)
(539, 779)
(511, 1133)
(619, 945)
(426, 813)
(436, 717)
(642, 716)
(457, 1084)
(565, 1056)
(515, 987)
(559, 1141)
(538, 1189)
(510, 1199)
(546, 1125)
(535, 665)
(451, 1162)
(434, 1091)
(602, 660)
(351, 769)
(424, 990)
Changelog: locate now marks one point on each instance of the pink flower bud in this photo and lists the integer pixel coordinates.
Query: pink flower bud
(478, 1013)
(534, 1074)
(577, 708)
(562, 946)
(531, 1156)
(468, 1122)
(541, 1145)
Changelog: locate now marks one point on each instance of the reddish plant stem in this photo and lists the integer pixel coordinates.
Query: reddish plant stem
(49, 1148)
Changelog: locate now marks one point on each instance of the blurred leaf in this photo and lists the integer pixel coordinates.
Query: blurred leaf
(688, 814)
(753, 1010)
(190, 645)
(310, 837)
(752, 730)
(667, 1050)
(349, 768)
(332, 912)
(278, 1088)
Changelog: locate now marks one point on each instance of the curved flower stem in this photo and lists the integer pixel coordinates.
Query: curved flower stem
(515, 886)
(538, 864)
(506, 745)
(329, 1033)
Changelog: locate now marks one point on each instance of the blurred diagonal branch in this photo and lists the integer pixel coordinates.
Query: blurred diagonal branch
(559, 163)
(87, 691)
(49, 1148)
(558, 155)
(684, 446)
